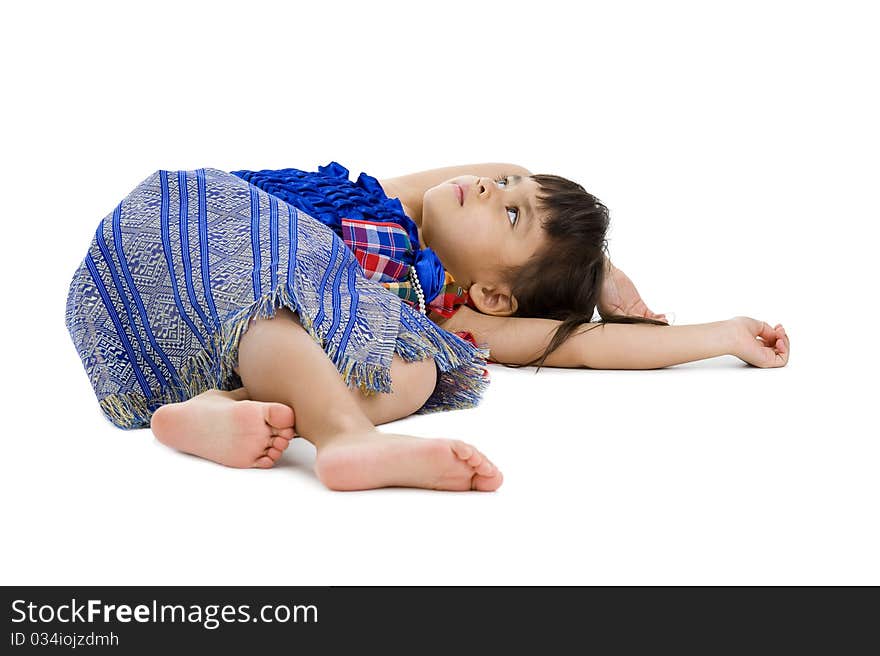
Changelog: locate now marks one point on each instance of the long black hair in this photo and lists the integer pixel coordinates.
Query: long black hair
(564, 279)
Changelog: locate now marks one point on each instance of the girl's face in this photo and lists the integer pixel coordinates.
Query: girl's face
(491, 225)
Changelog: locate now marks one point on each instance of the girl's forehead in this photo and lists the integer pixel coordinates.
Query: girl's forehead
(534, 217)
(531, 188)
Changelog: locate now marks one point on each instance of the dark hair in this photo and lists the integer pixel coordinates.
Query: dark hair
(563, 280)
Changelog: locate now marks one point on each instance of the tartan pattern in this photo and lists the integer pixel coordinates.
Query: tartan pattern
(449, 300)
(405, 290)
(378, 247)
(445, 303)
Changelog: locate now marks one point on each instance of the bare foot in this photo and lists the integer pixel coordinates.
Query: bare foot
(372, 460)
(224, 427)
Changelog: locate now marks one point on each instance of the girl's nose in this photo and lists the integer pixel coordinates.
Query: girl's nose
(482, 187)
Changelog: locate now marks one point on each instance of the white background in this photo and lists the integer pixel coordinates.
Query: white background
(737, 147)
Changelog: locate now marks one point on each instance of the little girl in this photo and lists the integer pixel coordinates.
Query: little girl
(211, 304)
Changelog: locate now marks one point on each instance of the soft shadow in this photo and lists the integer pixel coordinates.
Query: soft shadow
(717, 363)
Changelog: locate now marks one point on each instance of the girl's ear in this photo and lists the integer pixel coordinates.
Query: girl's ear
(494, 300)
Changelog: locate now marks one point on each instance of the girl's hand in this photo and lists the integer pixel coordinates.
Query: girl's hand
(758, 344)
(619, 296)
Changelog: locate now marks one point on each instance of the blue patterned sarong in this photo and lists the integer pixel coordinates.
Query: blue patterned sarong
(176, 271)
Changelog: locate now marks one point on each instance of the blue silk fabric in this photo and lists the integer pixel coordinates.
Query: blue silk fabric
(328, 195)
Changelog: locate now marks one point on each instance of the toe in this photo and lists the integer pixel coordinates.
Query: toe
(462, 450)
(487, 483)
(264, 462)
(476, 459)
(279, 415)
(286, 433)
(280, 443)
(274, 453)
(485, 468)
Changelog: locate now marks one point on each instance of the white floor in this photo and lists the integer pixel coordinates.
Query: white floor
(742, 181)
(706, 472)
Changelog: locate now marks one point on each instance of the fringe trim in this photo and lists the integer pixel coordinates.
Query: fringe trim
(462, 377)
(214, 366)
(460, 383)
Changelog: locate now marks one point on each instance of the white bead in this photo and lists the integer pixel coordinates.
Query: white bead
(418, 286)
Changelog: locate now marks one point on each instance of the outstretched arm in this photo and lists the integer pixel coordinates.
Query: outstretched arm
(515, 340)
(518, 340)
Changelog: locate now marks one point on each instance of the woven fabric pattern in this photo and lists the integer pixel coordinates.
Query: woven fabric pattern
(176, 271)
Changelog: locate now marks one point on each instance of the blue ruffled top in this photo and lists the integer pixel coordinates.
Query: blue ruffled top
(328, 195)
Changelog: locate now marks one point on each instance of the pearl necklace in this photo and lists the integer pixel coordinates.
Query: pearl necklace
(418, 286)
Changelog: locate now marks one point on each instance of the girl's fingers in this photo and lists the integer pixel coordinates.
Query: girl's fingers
(780, 347)
(785, 342)
(767, 334)
(774, 346)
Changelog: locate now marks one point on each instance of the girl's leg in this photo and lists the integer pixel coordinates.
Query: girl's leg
(279, 362)
(255, 434)
(412, 383)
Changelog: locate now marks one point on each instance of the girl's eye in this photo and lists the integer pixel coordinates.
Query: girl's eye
(514, 209)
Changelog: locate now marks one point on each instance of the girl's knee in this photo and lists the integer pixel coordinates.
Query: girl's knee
(416, 380)
(282, 315)
(281, 323)
(286, 313)
(412, 384)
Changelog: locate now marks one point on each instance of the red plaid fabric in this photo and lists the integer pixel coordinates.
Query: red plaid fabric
(378, 247)
(450, 299)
